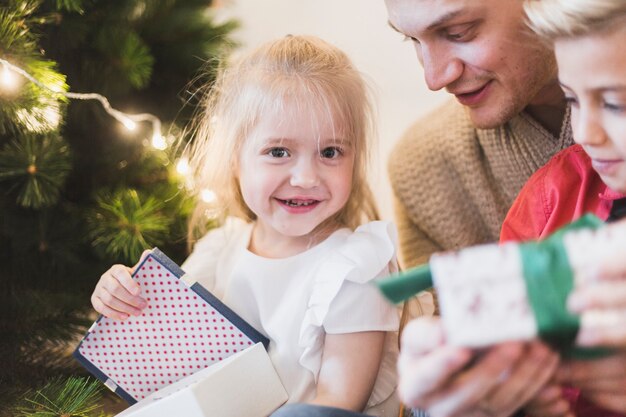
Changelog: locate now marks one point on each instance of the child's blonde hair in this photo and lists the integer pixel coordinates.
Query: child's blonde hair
(300, 70)
(555, 19)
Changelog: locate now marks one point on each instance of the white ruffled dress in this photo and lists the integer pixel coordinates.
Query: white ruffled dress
(295, 301)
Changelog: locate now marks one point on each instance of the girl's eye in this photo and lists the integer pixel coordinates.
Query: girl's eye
(278, 153)
(331, 152)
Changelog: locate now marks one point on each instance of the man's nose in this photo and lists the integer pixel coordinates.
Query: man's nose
(441, 66)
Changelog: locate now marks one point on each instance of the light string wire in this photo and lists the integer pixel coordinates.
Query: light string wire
(128, 120)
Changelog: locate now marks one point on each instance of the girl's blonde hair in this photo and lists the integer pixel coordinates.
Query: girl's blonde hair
(555, 19)
(301, 71)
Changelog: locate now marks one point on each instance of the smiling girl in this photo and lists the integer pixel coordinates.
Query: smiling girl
(283, 142)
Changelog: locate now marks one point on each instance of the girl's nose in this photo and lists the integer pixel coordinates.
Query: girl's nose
(305, 174)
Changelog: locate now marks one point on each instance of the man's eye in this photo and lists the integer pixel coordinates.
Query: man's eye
(331, 152)
(457, 36)
(460, 33)
(278, 152)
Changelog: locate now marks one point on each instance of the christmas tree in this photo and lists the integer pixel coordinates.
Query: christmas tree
(78, 190)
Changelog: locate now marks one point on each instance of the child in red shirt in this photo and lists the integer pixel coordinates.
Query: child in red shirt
(588, 37)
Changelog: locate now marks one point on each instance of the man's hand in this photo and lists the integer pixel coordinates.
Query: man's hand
(449, 381)
(602, 381)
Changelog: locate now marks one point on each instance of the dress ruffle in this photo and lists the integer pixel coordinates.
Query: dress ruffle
(367, 252)
(203, 261)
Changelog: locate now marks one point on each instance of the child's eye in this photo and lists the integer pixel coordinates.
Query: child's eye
(332, 152)
(571, 100)
(410, 39)
(278, 152)
(614, 107)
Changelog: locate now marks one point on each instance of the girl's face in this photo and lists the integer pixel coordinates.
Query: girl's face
(592, 71)
(295, 172)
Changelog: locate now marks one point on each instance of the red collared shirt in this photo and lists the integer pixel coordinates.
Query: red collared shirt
(558, 193)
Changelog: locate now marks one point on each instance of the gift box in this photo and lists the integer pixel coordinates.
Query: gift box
(494, 293)
(244, 384)
(184, 331)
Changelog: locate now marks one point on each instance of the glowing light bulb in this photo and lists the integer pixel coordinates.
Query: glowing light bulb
(182, 167)
(158, 141)
(9, 80)
(208, 196)
(129, 124)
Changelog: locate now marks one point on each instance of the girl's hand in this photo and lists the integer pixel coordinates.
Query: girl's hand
(604, 297)
(117, 295)
(549, 402)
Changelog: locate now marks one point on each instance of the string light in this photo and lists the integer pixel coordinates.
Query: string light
(129, 121)
(208, 196)
(182, 167)
(9, 80)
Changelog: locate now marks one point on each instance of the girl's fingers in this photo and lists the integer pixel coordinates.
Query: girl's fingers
(111, 301)
(103, 309)
(119, 284)
(141, 258)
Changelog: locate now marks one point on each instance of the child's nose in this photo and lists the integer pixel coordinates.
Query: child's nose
(588, 128)
(304, 174)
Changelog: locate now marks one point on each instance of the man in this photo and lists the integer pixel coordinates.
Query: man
(456, 173)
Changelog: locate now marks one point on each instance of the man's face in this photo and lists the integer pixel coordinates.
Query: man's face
(481, 52)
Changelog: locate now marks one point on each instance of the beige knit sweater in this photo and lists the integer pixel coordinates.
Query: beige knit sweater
(453, 184)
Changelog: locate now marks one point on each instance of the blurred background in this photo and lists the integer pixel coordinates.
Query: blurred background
(82, 188)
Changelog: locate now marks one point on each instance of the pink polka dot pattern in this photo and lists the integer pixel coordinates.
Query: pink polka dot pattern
(178, 334)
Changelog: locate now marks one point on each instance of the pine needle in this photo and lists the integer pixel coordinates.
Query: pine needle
(75, 397)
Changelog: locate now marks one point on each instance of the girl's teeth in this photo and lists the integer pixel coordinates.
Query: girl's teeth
(298, 203)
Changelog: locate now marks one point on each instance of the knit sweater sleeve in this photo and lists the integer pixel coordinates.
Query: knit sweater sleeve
(415, 246)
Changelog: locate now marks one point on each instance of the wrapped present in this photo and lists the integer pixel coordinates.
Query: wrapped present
(493, 293)
(184, 332)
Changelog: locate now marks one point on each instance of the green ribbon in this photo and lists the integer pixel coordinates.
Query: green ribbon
(549, 280)
(404, 285)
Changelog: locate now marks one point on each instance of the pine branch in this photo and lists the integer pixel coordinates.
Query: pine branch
(125, 226)
(70, 5)
(130, 55)
(76, 397)
(37, 166)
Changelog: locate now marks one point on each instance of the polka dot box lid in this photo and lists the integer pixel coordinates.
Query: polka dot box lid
(183, 330)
